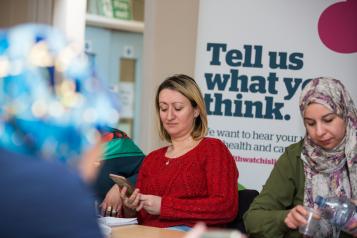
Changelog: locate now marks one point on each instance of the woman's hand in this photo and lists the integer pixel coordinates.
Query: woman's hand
(296, 217)
(151, 203)
(352, 227)
(131, 202)
(112, 203)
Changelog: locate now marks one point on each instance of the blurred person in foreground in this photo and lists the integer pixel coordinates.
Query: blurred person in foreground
(323, 163)
(195, 177)
(51, 107)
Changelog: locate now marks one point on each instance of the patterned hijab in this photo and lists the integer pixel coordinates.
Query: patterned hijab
(330, 172)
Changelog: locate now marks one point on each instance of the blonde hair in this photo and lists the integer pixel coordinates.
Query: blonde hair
(189, 88)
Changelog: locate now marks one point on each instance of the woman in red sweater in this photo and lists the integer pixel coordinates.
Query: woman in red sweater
(195, 177)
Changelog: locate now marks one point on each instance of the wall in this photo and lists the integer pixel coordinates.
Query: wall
(169, 48)
(66, 15)
(108, 47)
(169, 44)
(13, 12)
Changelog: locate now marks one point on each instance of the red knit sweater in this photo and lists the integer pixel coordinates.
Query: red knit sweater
(200, 185)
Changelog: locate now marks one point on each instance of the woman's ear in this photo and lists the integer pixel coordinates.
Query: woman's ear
(196, 113)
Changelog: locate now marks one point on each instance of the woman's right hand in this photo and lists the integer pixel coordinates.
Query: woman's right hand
(296, 217)
(131, 202)
(112, 203)
(353, 225)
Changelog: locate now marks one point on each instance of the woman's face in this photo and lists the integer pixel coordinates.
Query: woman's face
(176, 113)
(324, 127)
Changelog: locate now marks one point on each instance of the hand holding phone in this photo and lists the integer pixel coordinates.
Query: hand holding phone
(122, 182)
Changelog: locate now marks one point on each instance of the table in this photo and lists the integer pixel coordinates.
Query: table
(139, 231)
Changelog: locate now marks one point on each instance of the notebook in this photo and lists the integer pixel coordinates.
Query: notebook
(117, 221)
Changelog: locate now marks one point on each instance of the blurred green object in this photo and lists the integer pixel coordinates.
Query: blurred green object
(121, 147)
(122, 9)
(240, 187)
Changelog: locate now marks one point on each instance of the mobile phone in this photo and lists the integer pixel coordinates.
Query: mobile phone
(122, 182)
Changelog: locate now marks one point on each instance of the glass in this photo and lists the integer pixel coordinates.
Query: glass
(312, 225)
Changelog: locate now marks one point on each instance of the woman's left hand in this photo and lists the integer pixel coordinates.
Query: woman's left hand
(151, 203)
(352, 227)
(112, 203)
(296, 217)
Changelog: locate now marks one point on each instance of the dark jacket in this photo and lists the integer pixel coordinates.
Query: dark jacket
(283, 190)
(43, 199)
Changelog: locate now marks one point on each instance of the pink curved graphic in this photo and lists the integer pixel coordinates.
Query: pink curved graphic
(338, 27)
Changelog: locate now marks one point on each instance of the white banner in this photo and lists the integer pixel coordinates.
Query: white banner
(253, 57)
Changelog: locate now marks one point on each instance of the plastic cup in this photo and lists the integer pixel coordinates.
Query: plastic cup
(313, 223)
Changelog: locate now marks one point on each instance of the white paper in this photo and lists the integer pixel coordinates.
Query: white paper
(117, 221)
(105, 229)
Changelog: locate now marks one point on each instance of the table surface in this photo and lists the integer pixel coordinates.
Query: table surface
(139, 231)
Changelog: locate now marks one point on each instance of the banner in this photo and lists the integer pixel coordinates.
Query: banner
(253, 57)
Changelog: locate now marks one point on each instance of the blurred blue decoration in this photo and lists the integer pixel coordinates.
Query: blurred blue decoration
(52, 104)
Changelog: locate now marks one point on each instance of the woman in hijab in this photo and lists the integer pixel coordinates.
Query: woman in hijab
(323, 163)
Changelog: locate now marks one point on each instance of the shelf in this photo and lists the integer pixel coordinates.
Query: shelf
(114, 24)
